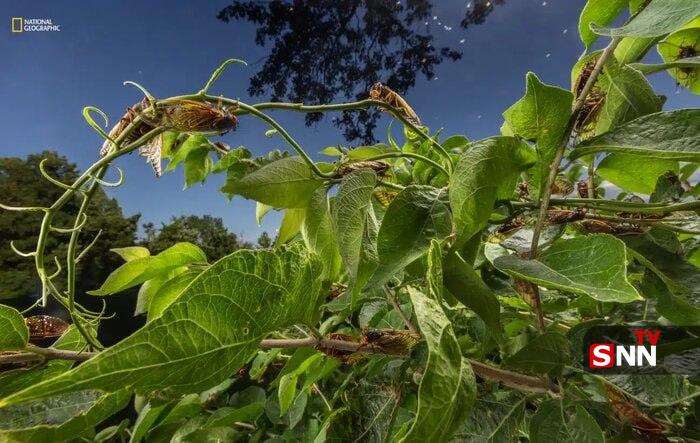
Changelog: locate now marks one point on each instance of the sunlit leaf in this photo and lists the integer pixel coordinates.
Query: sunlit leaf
(14, 331)
(207, 334)
(594, 265)
(658, 17)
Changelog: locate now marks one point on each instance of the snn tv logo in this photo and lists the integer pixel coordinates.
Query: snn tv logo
(643, 353)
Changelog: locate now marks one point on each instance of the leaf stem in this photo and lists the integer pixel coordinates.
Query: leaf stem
(391, 297)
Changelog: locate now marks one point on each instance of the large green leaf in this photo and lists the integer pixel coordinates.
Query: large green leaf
(552, 423)
(628, 95)
(488, 170)
(415, 216)
(59, 418)
(447, 391)
(138, 270)
(319, 237)
(667, 135)
(546, 353)
(657, 18)
(350, 215)
(541, 115)
(14, 333)
(285, 183)
(213, 328)
(634, 173)
(595, 265)
(600, 12)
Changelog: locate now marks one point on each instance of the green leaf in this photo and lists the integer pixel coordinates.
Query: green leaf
(552, 423)
(193, 142)
(541, 115)
(600, 12)
(285, 183)
(671, 65)
(207, 334)
(487, 171)
(318, 234)
(131, 252)
(658, 18)
(546, 353)
(14, 330)
(290, 225)
(231, 159)
(494, 420)
(168, 292)
(365, 152)
(671, 135)
(686, 71)
(457, 142)
(447, 391)
(434, 275)
(467, 287)
(150, 287)
(197, 166)
(139, 270)
(261, 210)
(628, 95)
(349, 214)
(332, 151)
(634, 173)
(594, 265)
(415, 216)
(59, 418)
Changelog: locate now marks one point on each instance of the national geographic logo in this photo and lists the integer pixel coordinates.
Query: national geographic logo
(21, 24)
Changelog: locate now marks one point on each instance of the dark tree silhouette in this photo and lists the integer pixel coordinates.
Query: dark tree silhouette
(477, 12)
(324, 50)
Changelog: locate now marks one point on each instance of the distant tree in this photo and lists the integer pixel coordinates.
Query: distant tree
(264, 240)
(23, 185)
(328, 49)
(207, 232)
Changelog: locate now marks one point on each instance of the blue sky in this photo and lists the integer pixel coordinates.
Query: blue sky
(171, 47)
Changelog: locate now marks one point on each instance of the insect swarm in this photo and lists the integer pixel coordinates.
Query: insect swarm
(178, 116)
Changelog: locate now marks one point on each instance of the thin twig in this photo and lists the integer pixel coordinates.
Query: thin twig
(391, 297)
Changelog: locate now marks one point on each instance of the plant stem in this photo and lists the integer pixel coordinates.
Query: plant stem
(613, 205)
(270, 121)
(410, 155)
(391, 297)
(554, 167)
(35, 353)
(362, 104)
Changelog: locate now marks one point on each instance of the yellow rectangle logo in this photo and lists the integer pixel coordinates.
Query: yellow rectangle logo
(17, 24)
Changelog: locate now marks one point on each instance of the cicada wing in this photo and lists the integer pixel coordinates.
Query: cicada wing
(152, 153)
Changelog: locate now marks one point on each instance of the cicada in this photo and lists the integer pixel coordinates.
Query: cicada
(593, 102)
(628, 412)
(385, 197)
(385, 94)
(178, 116)
(379, 167)
(45, 326)
(390, 341)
